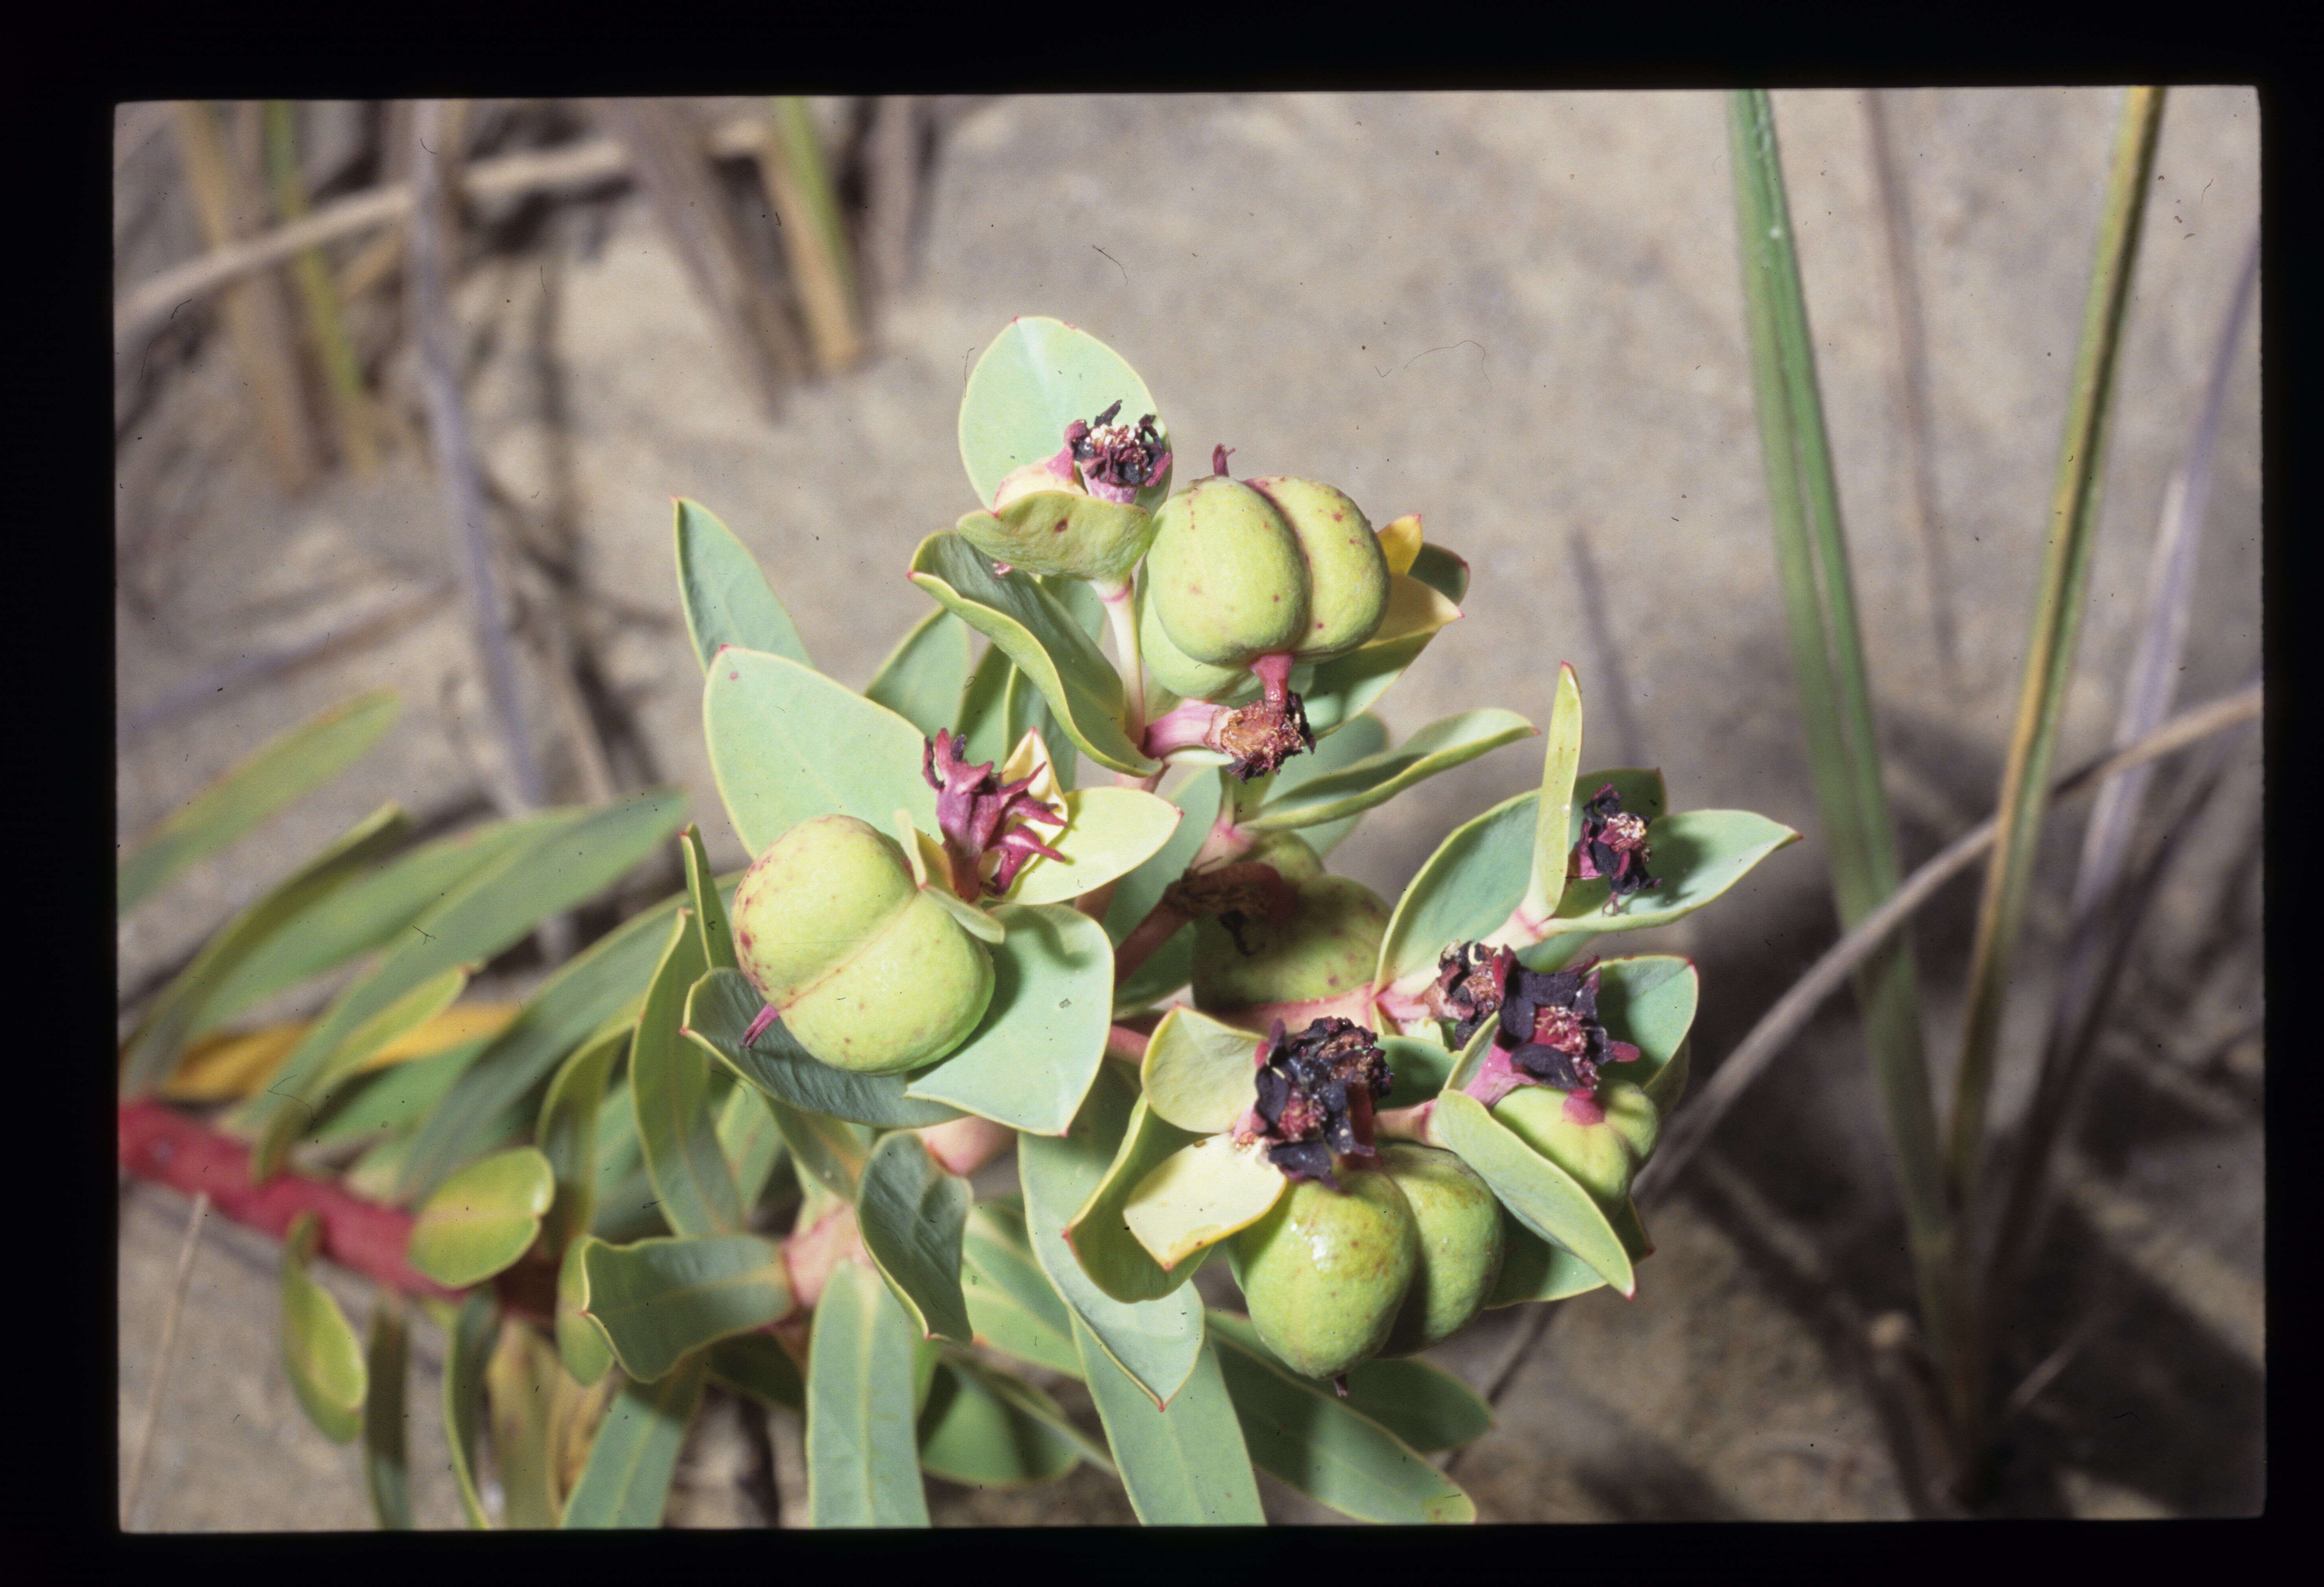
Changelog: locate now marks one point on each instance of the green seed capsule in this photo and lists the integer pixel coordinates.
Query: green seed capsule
(1461, 1244)
(867, 971)
(1330, 947)
(1603, 1156)
(1325, 1270)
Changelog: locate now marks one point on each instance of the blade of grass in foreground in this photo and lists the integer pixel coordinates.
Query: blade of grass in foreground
(1835, 696)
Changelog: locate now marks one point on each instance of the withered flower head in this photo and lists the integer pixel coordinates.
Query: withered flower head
(1316, 1093)
(1117, 461)
(1468, 986)
(977, 813)
(1549, 1027)
(1613, 846)
(1262, 735)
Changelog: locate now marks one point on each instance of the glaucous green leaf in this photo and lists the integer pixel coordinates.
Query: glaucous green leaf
(1199, 1073)
(984, 725)
(1301, 1432)
(321, 1354)
(910, 1213)
(670, 1088)
(1030, 1059)
(658, 1300)
(581, 1343)
(970, 1435)
(1377, 779)
(1200, 1195)
(1466, 889)
(601, 985)
(830, 1151)
(1419, 1067)
(1184, 1464)
(1108, 832)
(1010, 1306)
(1441, 571)
(468, 1347)
(1039, 376)
(567, 1134)
(1363, 735)
(561, 868)
(625, 1482)
(862, 1468)
(751, 1141)
(727, 599)
(254, 788)
(1336, 691)
(1166, 971)
(1142, 887)
(387, 1463)
(182, 1009)
(1649, 1002)
(395, 1098)
(762, 1366)
(1544, 1197)
(787, 744)
(719, 1011)
(1424, 1405)
(1062, 533)
(710, 897)
(1697, 855)
(1044, 641)
(1155, 1343)
(1560, 760)
(1102, 1239)
(923, 677)
(1534, 1268)
(482, 1218)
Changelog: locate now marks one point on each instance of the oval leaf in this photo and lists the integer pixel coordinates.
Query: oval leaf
(1102, 1241)
(1030, 1060)
(719, 1010)
(1199, 1073)
(625, 1482)
(1108, 833)
(1544, 1197)
(772, 726)
(911, 1214)
(1698, 854)
(1302, 1433)
(1200, 1195)
(1062, 533)
(1046, 644)
(1466, 889)
(1648, 1001)
(321, 1354)
(482, 1218)
(922, 678)
(862, 1469)
(1141, 888)
(1377, 779)
(727, 599)
(1038, 376)
(658, 1300)
(1184, 1464)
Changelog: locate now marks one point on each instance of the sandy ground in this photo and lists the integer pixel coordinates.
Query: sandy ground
(1520, 316)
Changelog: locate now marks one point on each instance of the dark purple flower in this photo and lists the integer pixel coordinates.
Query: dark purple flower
(1613, 847)
(1547, 1030)
(978, 813)
(1117, 461)
(1314, 1097)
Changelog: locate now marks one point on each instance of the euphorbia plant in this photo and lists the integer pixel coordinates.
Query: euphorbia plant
(951, 944)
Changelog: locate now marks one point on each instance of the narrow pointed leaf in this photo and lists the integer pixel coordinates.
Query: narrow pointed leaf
(581, 1341)
(1443, 571)
(1108, 833)
(1139, 891)
(1182, 1465)
(1465, 890)
(468, 1347)
(1553, 839)
(1338, 691)
(727, 599)
(634, 1457)
(521, 1387)
(830, 1151)
(186, 1008)
(276, 774)
(1045, 642)
(861, 1465)
(1377, 779)
(1156, 1342)
(1424, 1405)
(566, 1135)
(321, 1354)
(1364, 735)
(982, 726)
(658, 1300)
(911, 1212)
(1301, 1432)
(1199, 1073)
(762, 1366)
(387, 1463)
(482, 1218)
(923, 677)
(719, 1009)
(969, 1434)
(1030, 1060)
(1199, 1196)
(670, 1087)
(710, 897)
(771, 724)
(1037, 377)
(1544, 1197)
(1010, 1306)
(751, 1141)
(1103, 1243)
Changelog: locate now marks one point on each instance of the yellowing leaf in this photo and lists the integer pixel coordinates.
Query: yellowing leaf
(239, 1064)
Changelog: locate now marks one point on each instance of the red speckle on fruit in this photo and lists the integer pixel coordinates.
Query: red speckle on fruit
(1061, 527)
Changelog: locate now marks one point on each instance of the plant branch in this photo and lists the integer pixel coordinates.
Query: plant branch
(1692, 1126)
